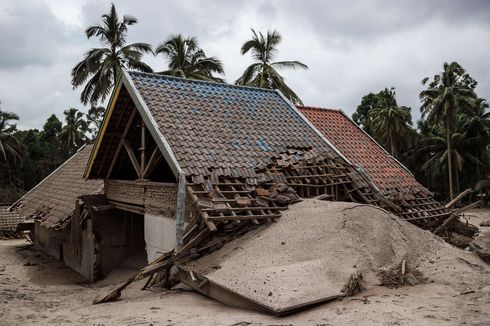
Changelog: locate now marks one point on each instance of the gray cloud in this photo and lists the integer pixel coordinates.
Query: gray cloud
(29, 34)
(351, 47)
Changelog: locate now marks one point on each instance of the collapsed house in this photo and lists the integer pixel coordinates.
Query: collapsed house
(188, 166)
(49, 208)
(203, 163)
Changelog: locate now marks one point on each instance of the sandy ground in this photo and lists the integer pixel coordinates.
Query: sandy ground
(35, 289)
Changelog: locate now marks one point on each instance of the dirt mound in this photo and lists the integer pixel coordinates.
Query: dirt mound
(312, 251)
(481, 245)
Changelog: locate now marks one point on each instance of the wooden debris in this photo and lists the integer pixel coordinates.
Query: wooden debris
(458, 198)
(262, 192)
(455, 214)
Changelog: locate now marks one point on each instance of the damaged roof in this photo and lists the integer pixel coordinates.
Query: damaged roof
(52, 201)
(387, 173)
(208, 127)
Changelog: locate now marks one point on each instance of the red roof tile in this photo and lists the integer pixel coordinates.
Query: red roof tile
(359, 148)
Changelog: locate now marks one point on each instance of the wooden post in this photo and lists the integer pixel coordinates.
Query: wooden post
(142, 150)
(179, 216)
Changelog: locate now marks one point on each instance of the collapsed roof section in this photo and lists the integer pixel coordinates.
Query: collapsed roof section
(394, 180)
(389, 175)
(52, 201)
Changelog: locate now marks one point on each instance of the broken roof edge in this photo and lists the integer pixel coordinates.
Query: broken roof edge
(315, 129)
(126, 81)
(46, 178)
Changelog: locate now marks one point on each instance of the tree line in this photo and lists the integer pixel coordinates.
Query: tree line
(449, 144)
(449, 149)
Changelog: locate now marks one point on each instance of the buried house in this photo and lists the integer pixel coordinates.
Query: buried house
(200, 162)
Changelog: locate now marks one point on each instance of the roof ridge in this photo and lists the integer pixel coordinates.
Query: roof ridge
(308, 107)
(197, 81)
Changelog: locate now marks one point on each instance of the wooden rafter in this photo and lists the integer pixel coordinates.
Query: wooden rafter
(114, 136)
(132, 156)
(155, 158)
(120, 145)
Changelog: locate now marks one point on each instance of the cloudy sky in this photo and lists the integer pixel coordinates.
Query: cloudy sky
(351, 47)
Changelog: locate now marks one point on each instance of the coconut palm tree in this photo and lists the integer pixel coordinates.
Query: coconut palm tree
(436, 149)
(103, 65)
(187, 60)
(449, 92)
(390, 123)
(10, 146)
(73, 134)
(263, 73)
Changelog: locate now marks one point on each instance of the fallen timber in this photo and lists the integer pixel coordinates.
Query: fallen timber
(226, 207)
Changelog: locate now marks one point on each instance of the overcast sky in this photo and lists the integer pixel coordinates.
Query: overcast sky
(351, 47)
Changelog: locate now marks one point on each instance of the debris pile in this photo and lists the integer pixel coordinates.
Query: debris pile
(309, 256)
(400, 275)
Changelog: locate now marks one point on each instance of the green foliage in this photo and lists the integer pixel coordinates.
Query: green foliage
(94, 120)
(361, 116)
(10, 147)
(389, 123)
(187, 60)
(263, 73)
(103, 65)
(74, 133)
(454, 130)
(41, 151)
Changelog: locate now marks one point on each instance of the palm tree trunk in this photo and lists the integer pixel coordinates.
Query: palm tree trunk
(478, 171)
(392, 144)
(449, 125)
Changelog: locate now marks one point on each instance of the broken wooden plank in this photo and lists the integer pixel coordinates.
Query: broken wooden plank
(458, 198)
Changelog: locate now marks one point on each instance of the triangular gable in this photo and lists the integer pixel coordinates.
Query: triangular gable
(118, 144)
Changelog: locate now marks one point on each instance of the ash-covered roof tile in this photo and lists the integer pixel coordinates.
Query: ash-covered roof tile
(53, 199)
(9, 220)
(215, 125)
